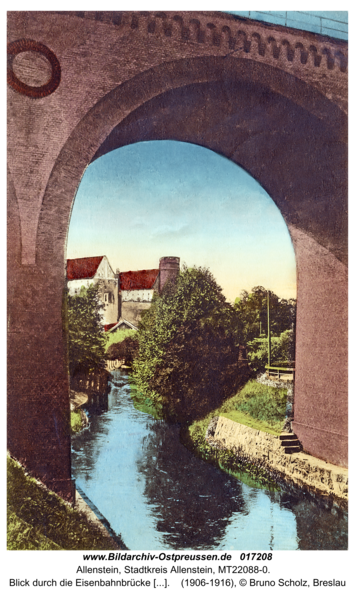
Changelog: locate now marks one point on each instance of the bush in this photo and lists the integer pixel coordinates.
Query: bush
(75, 421)
(86, 335)
(282, 351)
(126, 350)
(199, 370)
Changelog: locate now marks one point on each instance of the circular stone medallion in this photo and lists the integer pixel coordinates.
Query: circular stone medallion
(31, 62)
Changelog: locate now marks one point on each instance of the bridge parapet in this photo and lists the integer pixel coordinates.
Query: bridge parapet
(316, 59)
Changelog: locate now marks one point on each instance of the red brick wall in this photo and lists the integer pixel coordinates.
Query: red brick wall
(269, 106)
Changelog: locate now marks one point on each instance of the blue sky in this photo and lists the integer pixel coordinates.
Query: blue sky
(166, 198)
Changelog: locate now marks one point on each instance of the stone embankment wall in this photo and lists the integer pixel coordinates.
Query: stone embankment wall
(300, 469)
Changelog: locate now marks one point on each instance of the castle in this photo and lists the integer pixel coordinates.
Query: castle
(124, 295)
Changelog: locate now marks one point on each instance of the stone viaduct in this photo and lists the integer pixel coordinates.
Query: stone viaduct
(269, 98)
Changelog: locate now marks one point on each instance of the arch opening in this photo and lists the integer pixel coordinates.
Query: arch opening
(275, 138)
(268, 131)
(166, 197)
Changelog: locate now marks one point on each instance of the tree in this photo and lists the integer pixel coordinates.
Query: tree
(188, 347)
(199, 370)
(282, 351)
(86, 334)
(251, 309)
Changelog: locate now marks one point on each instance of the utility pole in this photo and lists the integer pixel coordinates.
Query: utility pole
(268, 330)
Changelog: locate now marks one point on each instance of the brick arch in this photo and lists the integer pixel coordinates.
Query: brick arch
(149, 105)
(106, 126)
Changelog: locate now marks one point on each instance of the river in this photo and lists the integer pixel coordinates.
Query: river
(157, 495)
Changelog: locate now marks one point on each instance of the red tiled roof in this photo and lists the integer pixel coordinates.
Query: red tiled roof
(82, 268)
(109, 326)
(138, 280)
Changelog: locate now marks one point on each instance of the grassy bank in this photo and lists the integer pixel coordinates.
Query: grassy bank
(118, 336)
(38, 519)
(256, 406)
(260, 400)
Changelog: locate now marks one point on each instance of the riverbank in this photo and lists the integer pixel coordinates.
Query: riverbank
(298, 473)
(78, 418)
(193, 436)
(39, 519)
(250, 448)
(158, 494)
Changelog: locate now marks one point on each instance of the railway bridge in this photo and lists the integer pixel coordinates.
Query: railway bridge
(270, 98)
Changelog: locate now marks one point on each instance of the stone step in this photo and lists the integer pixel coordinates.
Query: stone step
(290, 442)
(292, 450)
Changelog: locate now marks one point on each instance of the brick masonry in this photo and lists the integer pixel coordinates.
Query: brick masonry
(269, 98)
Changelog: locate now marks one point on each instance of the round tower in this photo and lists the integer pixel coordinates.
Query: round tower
(169, 267)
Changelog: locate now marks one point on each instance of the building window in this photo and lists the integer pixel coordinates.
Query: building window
(109, 297)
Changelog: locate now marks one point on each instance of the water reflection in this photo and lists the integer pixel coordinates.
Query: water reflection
(158, 495)
(193, 506)
(317, 527)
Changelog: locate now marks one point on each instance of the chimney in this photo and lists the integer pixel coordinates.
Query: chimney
(169, 267)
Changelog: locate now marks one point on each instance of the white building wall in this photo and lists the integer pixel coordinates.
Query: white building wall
(75, 285)
(137, 295)
(104, 270)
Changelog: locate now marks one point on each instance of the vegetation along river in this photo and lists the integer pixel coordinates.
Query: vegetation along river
(157, 495)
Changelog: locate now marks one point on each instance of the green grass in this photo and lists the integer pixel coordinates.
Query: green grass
(38, 519)
(262, 402)
(235, 409)
(76, 424)
(118, 336)
(245, 419)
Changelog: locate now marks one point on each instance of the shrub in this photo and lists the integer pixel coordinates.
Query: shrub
(126, 350)
(282, 351)
(199, 370)
(86, 336)
(75, 421)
